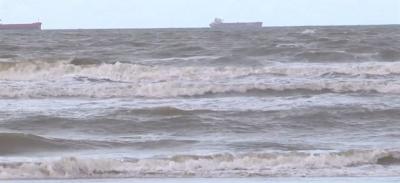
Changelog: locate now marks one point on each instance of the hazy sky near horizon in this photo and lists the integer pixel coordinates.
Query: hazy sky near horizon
(56, 14)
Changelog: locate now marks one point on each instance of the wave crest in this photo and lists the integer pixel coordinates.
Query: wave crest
(133, 72)
(129, 80)
(22, 144)
(182, 89)
(17, 143)
(348, 163)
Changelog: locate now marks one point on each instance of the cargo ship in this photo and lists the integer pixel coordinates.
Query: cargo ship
(219, 24)
(29, 26)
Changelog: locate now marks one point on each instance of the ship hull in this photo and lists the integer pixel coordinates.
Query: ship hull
(32, 26)
(235, 26)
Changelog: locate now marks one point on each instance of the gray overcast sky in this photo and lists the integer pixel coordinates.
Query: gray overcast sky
(197, 13)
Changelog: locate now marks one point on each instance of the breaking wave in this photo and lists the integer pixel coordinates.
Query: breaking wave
(46, 79)
(125, 72)
(182, 89)
(347, 163)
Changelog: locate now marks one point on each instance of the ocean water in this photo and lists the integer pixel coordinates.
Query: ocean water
(197, 103)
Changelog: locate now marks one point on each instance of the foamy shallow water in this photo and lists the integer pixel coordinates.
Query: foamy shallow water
(226, 180)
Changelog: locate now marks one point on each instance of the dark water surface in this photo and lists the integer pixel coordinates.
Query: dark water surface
(278, 102)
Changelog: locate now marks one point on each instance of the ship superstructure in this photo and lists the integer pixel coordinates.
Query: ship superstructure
(219, 24)
(28, 26)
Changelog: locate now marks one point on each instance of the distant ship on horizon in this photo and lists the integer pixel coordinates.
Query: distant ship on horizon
(219, 24)
(27, 26)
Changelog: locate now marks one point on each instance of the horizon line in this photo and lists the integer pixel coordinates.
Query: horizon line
(271, 26)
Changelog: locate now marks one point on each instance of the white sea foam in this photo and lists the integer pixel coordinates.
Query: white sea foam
(81, 108)
(61, 79)
(181, 88)
(133, 72)
(350, 163)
